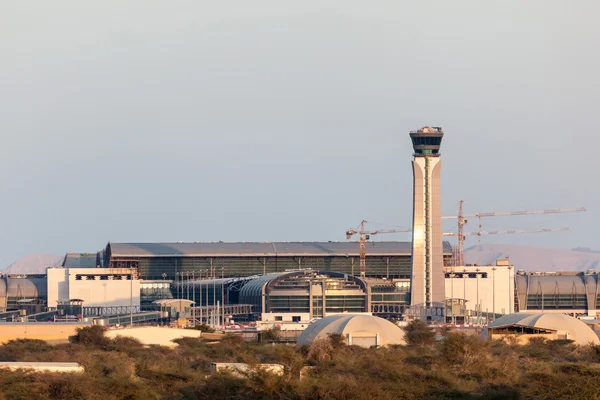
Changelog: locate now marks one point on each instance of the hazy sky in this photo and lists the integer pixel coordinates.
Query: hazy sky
(270, 120)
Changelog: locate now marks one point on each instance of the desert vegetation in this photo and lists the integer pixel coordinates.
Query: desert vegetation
(457, 367)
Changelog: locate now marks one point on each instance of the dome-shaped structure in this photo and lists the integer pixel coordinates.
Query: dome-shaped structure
(359, 330)
(549, 325)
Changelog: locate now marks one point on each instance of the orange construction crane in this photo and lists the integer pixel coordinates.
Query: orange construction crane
(462, 220)
(364, 236)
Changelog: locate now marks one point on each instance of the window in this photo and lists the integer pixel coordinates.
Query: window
(296, 318)
(279, 318)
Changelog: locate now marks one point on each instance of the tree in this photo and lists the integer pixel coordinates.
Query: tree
(418, 333)
(337, 340)
(203, 328)
(465, 353)
(271, 335)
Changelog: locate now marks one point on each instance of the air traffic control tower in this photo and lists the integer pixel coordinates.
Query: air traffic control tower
(427, 273)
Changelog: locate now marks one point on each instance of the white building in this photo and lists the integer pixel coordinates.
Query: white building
(487, 289)
(96, 287)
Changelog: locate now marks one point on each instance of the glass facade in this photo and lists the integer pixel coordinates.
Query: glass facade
(156, 268)
(556, 301)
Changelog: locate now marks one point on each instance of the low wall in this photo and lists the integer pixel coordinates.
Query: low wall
(148, 335)
(523, 339)
(42, 366)
(49, 331)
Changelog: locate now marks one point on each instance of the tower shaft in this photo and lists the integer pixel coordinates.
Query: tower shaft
(427, 274)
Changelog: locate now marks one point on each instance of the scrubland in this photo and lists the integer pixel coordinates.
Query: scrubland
(458, 367)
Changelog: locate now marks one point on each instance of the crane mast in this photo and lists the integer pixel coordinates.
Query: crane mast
(364, 236)
(461, 237)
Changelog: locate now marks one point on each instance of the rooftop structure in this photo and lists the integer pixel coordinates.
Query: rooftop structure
(426, 141)
(82, 260)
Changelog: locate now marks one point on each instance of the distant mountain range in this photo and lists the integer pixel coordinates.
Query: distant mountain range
(33, 264)
(532, 258)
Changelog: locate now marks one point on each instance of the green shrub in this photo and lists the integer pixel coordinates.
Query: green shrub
(458, 367)
(16, 350)
(90, 336)
(464, 353)
(418, 333)
(270, 335)
(203, 328)
(336, 340)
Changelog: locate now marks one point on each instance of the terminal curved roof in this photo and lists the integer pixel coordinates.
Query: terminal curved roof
(27, 287)
(251, 292)
(566, 283)
(22, 288)
(578, 330)
(357, 325)
(260, 249)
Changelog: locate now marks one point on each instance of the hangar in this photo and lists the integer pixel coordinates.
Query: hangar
(358, 330)
(550, 326)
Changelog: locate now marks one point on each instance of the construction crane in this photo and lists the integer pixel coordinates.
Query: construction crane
(364, 236)
(462, 220)
(509, 232)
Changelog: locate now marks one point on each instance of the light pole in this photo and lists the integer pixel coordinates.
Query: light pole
(214, 298)
(510, 297)
(194, 298)
(164, 276)
(200, 296)
(131, 298)
(206, 296)
(222, 318)
(478, 307)
(178, 277)
(494, 293)
(465, 276)
(187, 275)
(452, 299)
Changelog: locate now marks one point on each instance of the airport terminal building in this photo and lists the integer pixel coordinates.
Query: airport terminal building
(156, 261)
